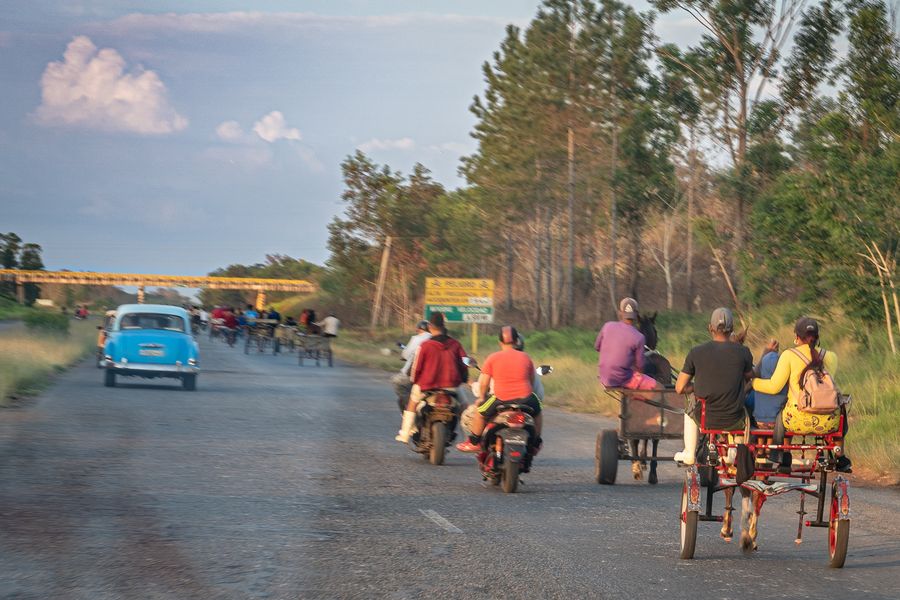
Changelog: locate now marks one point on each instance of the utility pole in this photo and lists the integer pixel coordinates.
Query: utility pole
(379, 286)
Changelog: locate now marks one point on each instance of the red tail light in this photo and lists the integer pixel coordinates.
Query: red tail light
(516, 419)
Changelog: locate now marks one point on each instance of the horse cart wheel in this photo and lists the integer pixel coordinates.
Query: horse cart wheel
(606, 457)
(838, 535)
(689, 519)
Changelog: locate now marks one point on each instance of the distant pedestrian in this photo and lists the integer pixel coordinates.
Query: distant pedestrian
(330, 325)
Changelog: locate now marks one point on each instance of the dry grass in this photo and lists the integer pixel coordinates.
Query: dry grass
(27, 358)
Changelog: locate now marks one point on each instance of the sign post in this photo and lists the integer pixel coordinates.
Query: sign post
(461, 301)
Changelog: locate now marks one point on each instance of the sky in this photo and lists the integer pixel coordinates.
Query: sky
(178, 137)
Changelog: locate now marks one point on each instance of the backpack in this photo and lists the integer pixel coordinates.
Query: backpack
(818, 393)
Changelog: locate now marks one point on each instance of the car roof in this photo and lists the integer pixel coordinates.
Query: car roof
(159, 309)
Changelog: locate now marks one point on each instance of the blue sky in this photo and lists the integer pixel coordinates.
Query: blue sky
(177, 137)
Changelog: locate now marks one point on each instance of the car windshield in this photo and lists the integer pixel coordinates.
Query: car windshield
(152, 321)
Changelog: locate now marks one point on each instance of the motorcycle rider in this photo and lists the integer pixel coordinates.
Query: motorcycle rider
(512, 373)
(402, 382)
(438, 365)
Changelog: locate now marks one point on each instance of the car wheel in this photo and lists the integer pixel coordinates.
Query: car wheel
(110, 379)
(189, 382)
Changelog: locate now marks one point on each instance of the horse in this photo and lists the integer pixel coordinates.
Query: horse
(660, 369)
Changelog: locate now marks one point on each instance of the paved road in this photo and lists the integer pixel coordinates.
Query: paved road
(274, 481)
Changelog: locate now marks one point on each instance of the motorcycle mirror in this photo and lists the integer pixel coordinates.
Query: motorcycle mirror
(99, 326)
(469, 361)
(544, 370)
(401, 345)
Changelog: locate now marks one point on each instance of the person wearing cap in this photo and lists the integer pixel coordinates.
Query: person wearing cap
(621, 348)
(438, 365)
(510, 375)
(792, 366)
(401, 381)
(716, 372)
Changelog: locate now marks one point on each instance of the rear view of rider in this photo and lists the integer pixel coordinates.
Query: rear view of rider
(621, 348)
(438, 365)
(715, 372)
(512, 374)
(401, 381)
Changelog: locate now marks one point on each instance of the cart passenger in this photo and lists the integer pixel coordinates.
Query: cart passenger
(621, 349)
(792, 367)
(716, 372)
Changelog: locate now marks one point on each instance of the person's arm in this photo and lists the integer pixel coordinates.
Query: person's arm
(639, 355)
(683, 383)
(599, 341)
(410, 350)
(484, 386)
(780, 377)
(417, 364)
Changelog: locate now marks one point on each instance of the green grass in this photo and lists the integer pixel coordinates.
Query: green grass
(10, 309)
(866, 370)
(28, 358)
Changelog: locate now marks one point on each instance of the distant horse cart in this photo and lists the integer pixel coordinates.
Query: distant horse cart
(645, 418)
(314, 347)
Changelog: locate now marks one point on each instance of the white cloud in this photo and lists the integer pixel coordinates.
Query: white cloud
(90, 88)
(229, 131)
(387, 144)
(240, 21)
(273, 127)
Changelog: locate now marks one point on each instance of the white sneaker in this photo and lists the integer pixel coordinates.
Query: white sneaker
(684, 458)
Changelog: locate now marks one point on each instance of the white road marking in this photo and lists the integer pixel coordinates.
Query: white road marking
(441, 521)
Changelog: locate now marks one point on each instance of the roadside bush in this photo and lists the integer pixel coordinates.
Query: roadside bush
(47, 321)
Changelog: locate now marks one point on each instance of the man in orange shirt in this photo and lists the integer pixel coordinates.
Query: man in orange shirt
(512, 373)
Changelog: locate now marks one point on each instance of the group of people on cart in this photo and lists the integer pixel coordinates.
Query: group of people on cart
(721, 374)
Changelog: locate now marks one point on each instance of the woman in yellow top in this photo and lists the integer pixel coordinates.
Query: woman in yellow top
(790, 369)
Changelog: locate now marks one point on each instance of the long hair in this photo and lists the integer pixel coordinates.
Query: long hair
(816, 362)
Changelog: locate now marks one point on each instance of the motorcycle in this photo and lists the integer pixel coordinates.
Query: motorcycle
(507, 442)
(436, 418)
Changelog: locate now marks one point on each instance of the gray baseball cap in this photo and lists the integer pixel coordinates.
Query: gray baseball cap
(629, 308)
(722, 320)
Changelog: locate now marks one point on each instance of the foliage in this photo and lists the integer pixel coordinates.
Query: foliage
(40, 320)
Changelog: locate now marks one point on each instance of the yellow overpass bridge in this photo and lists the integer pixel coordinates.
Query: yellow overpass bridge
(261, 286)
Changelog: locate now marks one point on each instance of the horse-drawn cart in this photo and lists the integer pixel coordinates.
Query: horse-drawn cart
(644, 417)
(814, 457)
(260, 333)
(314, 347)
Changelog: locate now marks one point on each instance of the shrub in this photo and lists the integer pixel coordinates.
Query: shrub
(47, 321)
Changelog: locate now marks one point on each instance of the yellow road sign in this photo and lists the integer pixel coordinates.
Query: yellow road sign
(461, 300)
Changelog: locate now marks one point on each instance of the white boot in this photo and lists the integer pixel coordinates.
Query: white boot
(409, 419)
(691, 434)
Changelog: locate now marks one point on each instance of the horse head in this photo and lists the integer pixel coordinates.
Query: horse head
(647, 326)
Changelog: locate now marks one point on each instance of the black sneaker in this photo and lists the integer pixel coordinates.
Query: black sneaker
(843, 465)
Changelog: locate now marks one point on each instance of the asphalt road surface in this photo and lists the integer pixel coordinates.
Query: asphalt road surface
(275, 481)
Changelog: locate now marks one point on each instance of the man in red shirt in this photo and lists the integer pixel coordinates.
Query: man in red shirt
(438, 366)
(512, 373)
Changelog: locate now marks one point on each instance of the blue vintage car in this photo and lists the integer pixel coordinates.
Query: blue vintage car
(151, 340)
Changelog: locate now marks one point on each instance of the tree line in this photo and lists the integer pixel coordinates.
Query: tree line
(755, 166)
(17, 254)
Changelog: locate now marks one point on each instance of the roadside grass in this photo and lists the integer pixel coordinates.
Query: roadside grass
(10, 309)
(27, 359)
(866, 370)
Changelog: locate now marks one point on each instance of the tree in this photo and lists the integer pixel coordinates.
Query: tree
(734, 63)
(30, 259)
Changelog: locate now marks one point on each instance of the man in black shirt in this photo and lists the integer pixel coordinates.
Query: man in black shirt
(716, 372)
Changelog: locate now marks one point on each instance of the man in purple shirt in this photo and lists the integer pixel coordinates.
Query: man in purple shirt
(621, 348)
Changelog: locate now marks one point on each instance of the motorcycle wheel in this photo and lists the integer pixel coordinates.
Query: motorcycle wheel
(438, 443)
(510, 477)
